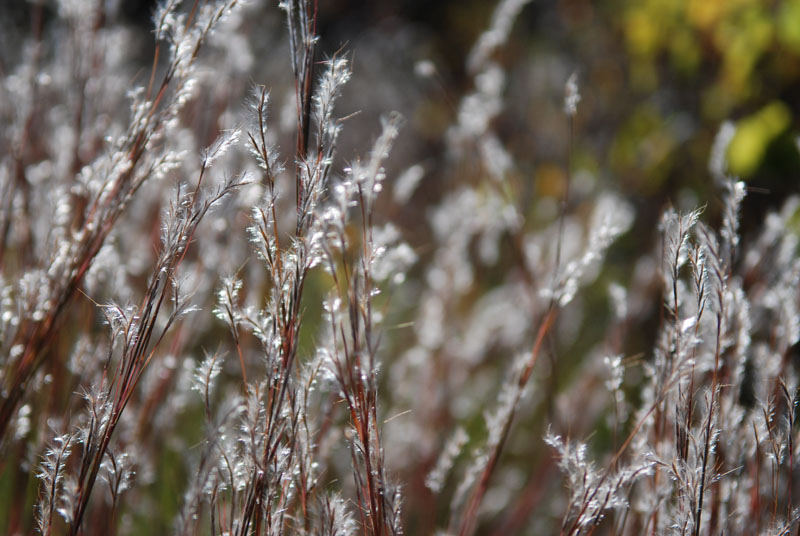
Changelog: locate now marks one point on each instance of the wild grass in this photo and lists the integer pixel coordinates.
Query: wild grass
(202, 332)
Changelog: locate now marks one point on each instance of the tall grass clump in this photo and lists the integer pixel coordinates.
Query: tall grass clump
(217, 318)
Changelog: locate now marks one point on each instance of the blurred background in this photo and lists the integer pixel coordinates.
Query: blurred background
(657, 79)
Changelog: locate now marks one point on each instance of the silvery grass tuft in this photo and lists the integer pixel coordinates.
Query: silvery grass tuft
(212, 321)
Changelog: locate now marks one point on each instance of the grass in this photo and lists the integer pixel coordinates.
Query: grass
(212, 321)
